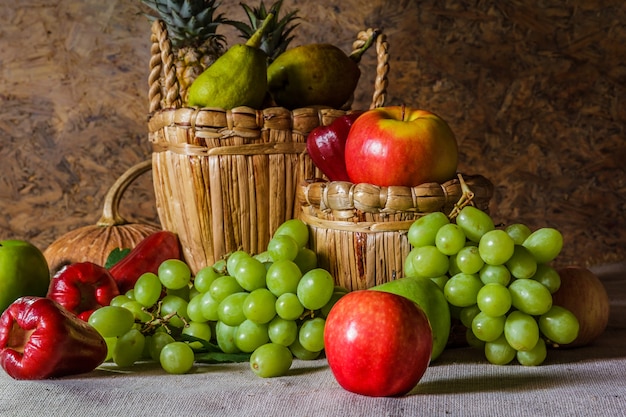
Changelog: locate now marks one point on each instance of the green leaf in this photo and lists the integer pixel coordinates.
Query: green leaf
(115, 256)
(221, 357)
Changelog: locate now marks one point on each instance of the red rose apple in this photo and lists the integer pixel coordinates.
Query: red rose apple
(398, 145)
(377, 343)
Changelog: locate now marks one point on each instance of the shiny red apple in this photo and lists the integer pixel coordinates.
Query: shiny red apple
(377, 343)
(399, 145)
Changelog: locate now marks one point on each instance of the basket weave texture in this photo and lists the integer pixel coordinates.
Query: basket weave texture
(225, 179)
(359, 231)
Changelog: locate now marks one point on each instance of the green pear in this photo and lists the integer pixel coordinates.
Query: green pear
(426, 294)
(317, 74)
(237, 78)
(23, 271)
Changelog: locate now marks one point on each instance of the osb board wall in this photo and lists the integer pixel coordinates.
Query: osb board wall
(533, 89)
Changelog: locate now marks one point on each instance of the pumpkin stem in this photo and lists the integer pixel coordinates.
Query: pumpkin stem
(110, 210)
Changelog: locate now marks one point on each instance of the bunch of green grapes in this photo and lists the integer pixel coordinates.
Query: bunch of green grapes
(270, 306)
(498, 282)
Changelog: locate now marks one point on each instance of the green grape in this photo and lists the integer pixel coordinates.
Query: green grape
(423, 231)
(119, 300)
(148, 289)
(225, 337)
(499, 352)
(183, 293)
(174, 274)
(112, 321)
(467, 314)
(488, 328)
(298, 351)
(495, 274)
(494, 299)
(198, 330)
(534, 356)
(260, 306)
(224, 286)
(329, 305)
(311, 334)
(315, 288)
(230, 310)
(474, 222)
(496, 247)
(521, 331)
(518, 232)
(429, 262)
(473, 341)
(194, 309)
(530, 297)
(288, 306)
(176, 308)
(281, 331)
(545, 244)
(522, 264)
(469, 261)
(204, 278)
(548, 276)
(453, 269)
(157, 342)
(128, 348)
(250, 273)
(283, 247)
(271, 360)
(193, 292)
(110, 342)
(461, 290)
(208, 307)
(306, 260)
(233, 259)
(440, 281)
(250, 335)
(296, 229)
(130, 294)
(559, 325)
(409, 270)
(138, 311)
(282, 277)
(177, 358)
(450, 239)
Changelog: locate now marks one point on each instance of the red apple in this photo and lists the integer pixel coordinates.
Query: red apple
(398, 145)
(377, 343)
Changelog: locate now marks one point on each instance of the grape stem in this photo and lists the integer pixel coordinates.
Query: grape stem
(467, 198)
(156, 321)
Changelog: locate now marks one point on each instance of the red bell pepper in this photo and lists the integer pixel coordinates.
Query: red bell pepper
(40, 339)
(326, 146)
(82, 288)
(145, 257)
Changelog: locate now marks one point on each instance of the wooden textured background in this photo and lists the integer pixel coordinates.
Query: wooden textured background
(535, 91)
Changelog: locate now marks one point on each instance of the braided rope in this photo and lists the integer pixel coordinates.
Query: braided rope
(154, 84)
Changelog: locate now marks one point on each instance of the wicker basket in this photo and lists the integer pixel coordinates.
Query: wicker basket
(225, 179)
(359, 231)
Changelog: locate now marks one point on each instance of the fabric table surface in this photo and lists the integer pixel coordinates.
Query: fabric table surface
(586, 381)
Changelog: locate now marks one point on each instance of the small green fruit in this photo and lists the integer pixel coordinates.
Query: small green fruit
(23, 271)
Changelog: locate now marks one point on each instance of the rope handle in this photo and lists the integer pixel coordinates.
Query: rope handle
(164, 88)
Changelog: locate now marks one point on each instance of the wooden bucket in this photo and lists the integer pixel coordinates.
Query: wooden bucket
(359, 231)
(225, 179)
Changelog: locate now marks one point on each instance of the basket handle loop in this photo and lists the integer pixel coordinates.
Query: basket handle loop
(382, 67)
(162, 65)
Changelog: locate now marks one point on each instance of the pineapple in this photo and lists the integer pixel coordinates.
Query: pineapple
(191, 26)
(277, 37)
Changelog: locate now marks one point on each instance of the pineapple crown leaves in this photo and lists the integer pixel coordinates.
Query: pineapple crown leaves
(277, 36)
(190, 23)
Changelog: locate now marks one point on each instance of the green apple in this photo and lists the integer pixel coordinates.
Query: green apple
(23, 271)
(426, 294)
